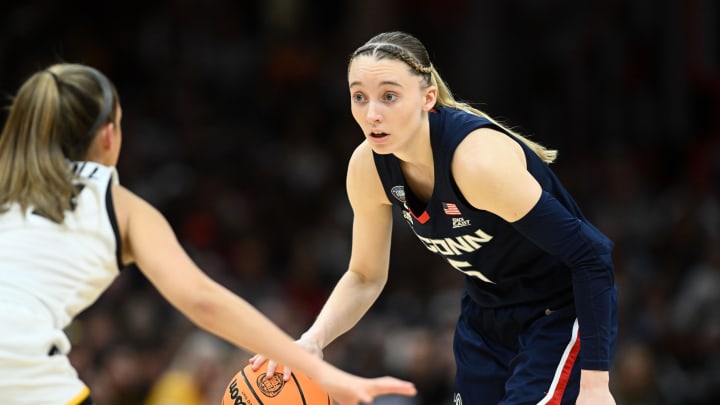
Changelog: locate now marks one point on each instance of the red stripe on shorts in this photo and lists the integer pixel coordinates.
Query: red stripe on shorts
(565, 374)
(562, 373)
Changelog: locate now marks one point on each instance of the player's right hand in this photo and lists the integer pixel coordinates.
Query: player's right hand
(354, 390)
(307, 344)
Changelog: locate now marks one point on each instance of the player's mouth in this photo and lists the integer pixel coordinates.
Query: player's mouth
(378, 135)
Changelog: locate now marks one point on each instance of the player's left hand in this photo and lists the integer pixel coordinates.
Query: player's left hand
(594, 388)
(595, 397)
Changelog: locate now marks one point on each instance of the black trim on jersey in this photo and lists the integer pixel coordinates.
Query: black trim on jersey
(114, 224)
(79, 168)
(90, 176)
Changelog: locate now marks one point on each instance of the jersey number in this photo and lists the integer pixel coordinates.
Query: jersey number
(466, 268)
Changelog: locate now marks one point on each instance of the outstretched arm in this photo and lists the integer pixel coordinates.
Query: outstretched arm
(150, 242)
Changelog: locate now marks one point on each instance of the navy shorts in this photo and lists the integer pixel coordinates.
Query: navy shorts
(517, 355)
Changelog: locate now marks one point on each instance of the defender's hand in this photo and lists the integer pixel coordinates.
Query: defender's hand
(257, 360)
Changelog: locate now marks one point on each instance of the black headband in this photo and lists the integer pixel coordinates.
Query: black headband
(107, 99)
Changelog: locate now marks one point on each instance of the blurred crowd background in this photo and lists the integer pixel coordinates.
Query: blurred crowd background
(237, 127)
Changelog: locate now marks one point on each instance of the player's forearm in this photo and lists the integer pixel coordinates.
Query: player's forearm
(587, 252)
(349, 301)
(218, 311)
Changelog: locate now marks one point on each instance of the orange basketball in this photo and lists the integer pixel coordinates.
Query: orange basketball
(249, 387)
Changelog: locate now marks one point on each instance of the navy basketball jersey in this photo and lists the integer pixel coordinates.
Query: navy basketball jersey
(501, 266)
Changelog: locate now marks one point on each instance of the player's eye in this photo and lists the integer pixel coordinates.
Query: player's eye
(390, 97)
(358, 98)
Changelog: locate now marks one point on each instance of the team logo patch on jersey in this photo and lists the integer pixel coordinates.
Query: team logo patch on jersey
(451, 209)
(458, 399)
(399, 193)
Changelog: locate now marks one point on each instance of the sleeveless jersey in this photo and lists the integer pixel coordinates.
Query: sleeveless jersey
(61, 269)
(501, 266)
(49, 273)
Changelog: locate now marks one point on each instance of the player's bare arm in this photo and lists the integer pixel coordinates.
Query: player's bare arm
(367, 272)
(368, 268)
(490, 170)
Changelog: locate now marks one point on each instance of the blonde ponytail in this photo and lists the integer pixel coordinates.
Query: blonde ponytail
(408, 49)
(445, 98)
(53, 118)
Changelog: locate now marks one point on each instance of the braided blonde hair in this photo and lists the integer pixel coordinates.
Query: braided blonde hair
(408, 49)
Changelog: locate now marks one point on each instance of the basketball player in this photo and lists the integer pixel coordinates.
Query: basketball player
(538, 316)
(67, 228)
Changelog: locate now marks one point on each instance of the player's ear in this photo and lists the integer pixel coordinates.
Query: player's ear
(107, 139)
(429, 98)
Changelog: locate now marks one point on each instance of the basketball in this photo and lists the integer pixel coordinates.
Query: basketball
(250, 387)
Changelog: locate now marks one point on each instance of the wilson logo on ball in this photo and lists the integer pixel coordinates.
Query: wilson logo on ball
(272, 386)
(235, 393)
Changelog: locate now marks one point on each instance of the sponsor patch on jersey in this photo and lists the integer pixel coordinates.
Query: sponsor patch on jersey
(399, 193)
(460, 222)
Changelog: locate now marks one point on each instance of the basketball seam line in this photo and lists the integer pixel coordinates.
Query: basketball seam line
(297, 384)
(251, 388)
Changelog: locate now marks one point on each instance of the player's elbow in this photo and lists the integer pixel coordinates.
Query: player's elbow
(369, 280)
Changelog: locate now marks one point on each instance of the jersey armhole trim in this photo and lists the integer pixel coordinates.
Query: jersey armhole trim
(113, 222)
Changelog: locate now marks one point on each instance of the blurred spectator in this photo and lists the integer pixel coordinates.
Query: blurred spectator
(196, 374)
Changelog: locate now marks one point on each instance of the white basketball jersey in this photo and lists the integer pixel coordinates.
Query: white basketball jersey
(49, 273)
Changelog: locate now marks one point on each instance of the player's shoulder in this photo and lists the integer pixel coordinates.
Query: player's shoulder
(362, 157)
(362, 175)
(486, 143)
(486, 152)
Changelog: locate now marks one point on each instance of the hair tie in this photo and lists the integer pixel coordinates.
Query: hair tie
(55, 77)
